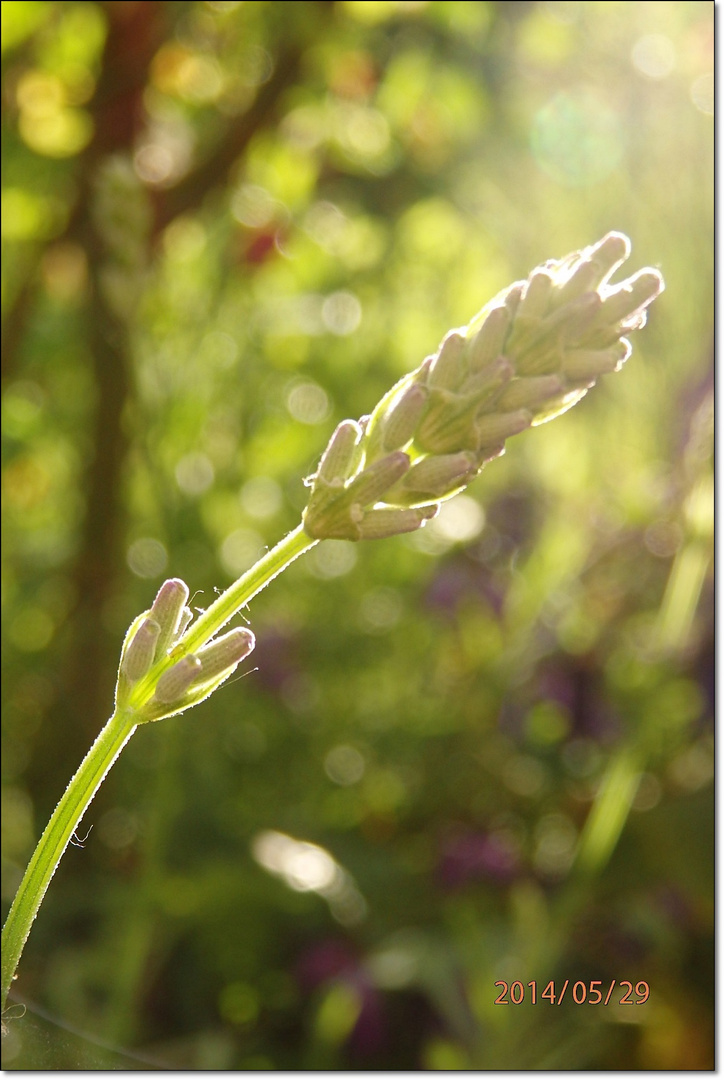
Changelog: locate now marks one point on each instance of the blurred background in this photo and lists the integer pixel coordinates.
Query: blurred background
(476, 753)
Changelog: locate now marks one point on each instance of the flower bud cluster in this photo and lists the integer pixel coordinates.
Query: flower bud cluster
(529, 355)
(154, 638)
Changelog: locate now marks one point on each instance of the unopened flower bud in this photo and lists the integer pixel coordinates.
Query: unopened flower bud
(446, 369)
(224, 653)
(584, 278)
(339, 455)
(609, 253)
(527, 333)
(167, 610)
(590, 363)
(528, 393)
(580, 313)
(499, 426)
(400, 422)
(535, 346)
(383, 522)
(511, 297)
(374, 481)
(555, 406)
(488, 343)
(631, 297)
(140, 653)
(534, 302)
(440, 474)
(174, 683)
(482, 384)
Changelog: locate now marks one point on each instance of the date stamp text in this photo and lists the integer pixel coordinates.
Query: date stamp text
(594, 992)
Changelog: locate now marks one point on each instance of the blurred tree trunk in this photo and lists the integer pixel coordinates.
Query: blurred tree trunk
(134, 33)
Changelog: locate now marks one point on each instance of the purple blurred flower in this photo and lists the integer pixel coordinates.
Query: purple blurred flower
(516, 516)
(323, 961)
(276, 658)
(334, 961)
(369, 1033)
(579, 689)
(675, 906)
(459, 579)
(477, 856)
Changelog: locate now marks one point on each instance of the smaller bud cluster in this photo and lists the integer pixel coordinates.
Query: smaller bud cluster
(155, 636)
(528, 356)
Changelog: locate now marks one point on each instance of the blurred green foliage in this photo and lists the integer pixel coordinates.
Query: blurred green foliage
(481, 752)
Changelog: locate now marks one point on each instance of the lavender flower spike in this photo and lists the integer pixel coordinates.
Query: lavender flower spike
(529, 355)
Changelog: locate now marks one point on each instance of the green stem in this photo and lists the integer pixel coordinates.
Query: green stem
(107, 747)
(247, 586)
(61, 827)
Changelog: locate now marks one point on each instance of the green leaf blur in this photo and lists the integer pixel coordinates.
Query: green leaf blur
(479, 752)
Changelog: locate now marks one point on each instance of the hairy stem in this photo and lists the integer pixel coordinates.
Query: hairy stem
(59, 830)
(247, 586)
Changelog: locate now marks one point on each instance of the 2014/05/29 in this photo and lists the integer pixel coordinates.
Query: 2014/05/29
(581, 993)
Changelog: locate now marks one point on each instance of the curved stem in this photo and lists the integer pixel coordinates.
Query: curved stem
(65, 820)
(248, 585)
(107, 747)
